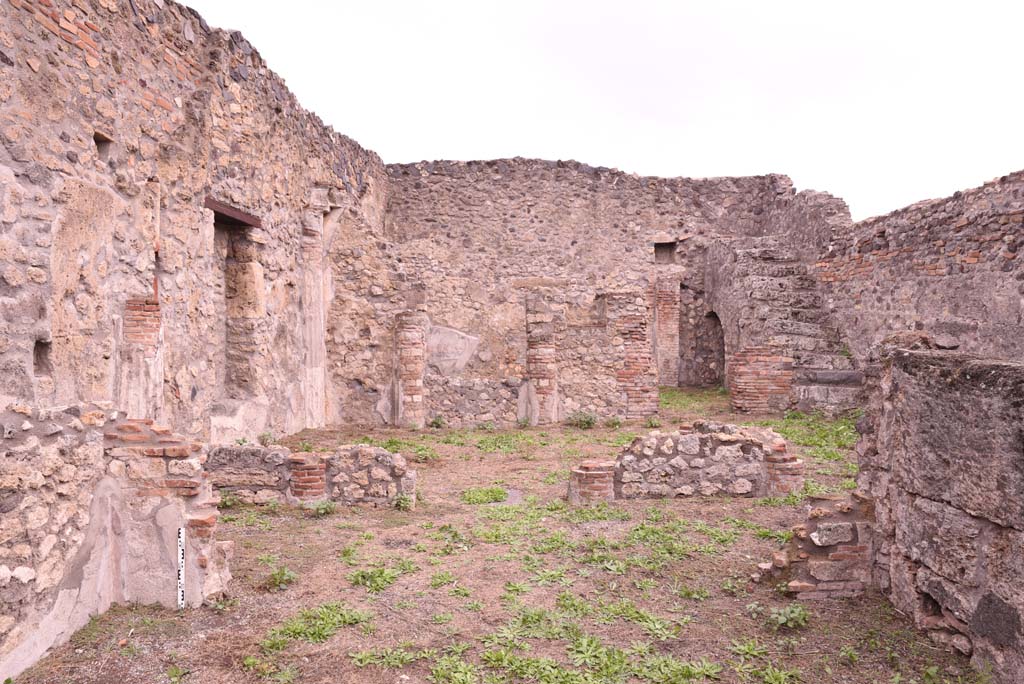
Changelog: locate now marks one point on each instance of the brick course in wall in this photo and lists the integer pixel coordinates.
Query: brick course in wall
(760, 380)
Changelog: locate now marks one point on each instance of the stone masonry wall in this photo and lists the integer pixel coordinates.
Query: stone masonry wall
(707, 459)
(830, 554)
(91, 505)
(950, 267)
(783, 346)
(475, 238)
(351, 474)
(942, 455)
(117, 120)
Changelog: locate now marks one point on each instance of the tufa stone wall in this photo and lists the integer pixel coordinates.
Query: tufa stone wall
(707, 459)
(91, 506)
(942, 453)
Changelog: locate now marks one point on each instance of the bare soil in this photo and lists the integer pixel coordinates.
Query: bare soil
(699, 604)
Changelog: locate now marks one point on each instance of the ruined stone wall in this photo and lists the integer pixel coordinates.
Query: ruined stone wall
(942, 454)
(587, 352)
(783, 349)
(351, 474)
(91, 507)
(476, 239)
(706, 459)
(117, 120)
(948, 266)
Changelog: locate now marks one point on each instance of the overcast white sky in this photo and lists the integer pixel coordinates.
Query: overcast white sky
(881, 103)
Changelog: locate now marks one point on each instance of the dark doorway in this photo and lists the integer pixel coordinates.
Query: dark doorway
(709, 352)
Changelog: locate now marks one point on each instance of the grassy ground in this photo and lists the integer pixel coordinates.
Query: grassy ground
(492, 578)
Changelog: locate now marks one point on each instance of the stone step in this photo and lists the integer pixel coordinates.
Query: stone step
(824, 360)
(828, 376)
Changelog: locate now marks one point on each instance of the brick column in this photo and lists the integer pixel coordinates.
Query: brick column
(760, 380)
(666, 317)
(308, 476)
(785, 471)
(592, 481)
(541, 362)
(637, 374)
(409, 409)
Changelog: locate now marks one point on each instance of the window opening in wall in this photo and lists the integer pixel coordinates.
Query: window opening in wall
(665, 252)
(42, 365)
(103, 143)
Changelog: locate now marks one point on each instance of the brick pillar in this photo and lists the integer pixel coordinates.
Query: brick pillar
(541, 362)
(308, 476)
(666, 318)
(760, 380)
(409, 409)
(637, 373)
(785, 470)
(592, 481)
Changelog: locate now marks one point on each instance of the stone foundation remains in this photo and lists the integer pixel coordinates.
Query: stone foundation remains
(830, 555)
(708, 459)
(352, 474)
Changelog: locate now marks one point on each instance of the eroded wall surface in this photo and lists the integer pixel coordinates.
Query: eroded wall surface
(118, 120)
(943, 457)
(91, 506)
(949, 267)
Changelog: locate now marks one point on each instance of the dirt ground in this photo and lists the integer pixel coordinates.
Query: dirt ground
(525, 590)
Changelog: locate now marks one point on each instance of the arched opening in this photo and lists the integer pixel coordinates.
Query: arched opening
(710, 351)
(702, 352)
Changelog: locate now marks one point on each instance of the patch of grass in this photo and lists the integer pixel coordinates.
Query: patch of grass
(441, 579)
(228, 499)
(314, 625)
(792, 616)
(582, 420)
(248, 519)
(505, 442)
(816, 430)
(694, 399)
(176, 674)
(416, 451)
(389, 657)
(599, 512)
(621, 439)
(476, 496)
(280, 579)
(404, 503)
(378, 579)
(322, 509)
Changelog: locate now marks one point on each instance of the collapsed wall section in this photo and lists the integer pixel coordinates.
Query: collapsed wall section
(707, 459)
(350, 474)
